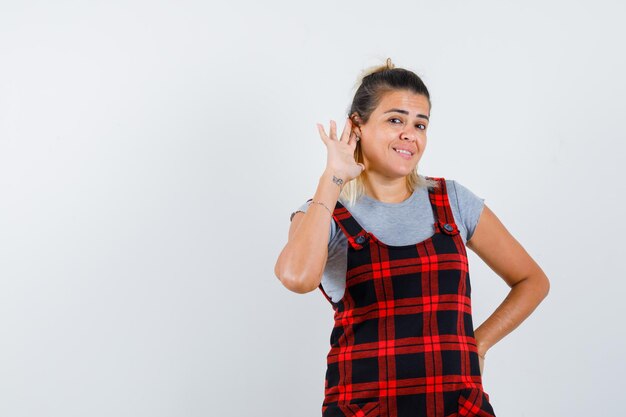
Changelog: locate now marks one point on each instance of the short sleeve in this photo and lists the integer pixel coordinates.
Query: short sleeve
(470, 207)
(303, 208)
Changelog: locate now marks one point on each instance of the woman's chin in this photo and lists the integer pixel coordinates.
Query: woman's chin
(400, 173)
(395, 168)
(405, 169)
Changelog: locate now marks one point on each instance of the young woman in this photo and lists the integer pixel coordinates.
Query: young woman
(387, 247)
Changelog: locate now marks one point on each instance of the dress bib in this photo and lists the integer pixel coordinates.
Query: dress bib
(403, 341)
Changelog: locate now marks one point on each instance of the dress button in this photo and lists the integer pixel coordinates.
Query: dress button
(448, 227)
(360, 239)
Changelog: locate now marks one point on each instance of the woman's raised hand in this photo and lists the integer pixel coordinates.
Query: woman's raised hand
(340, 159)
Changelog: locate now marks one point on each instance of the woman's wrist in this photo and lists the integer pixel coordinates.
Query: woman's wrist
(482, 352)
(327, 193)
(481, 346)
(334, 177)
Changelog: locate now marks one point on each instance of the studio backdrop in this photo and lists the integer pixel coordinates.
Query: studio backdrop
(151, 154)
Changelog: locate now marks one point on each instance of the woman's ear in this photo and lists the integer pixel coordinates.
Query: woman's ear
(356, 123)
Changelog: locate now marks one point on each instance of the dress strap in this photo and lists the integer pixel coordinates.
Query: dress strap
(440, 203)
(356, 235)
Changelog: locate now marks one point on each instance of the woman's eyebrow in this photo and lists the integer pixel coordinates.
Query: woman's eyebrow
(423, 116)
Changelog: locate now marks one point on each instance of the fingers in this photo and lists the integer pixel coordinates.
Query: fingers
(323, 135)
(354, 138)
(346, 133)
(333, 131)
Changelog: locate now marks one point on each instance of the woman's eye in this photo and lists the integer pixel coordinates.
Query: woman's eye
(394, 118)
(421, 126)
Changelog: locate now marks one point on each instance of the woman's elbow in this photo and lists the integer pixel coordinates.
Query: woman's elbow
(295, 282)
(546, 286)
(541, 284)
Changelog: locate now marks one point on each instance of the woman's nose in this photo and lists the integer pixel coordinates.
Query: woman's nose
(410, 134)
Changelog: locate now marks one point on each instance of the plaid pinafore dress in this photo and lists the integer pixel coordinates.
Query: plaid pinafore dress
(403, 341)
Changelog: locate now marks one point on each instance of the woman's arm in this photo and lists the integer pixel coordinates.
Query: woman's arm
(493, 243)
(301, 263)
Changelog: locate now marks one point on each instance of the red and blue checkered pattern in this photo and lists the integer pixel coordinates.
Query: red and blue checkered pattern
(403, 340)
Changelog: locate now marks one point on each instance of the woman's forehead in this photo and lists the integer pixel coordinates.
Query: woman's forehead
(407, 101)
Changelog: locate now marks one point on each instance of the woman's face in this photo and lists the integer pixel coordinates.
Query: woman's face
(398, 123)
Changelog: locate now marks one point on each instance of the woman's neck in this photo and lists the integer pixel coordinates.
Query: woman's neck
(395, 191)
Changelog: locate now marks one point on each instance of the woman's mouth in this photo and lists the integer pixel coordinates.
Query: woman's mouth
(403, 153)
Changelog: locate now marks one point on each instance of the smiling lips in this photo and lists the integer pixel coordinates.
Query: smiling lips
(404, 153)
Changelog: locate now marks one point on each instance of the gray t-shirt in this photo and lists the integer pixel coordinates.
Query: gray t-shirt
(397, 224)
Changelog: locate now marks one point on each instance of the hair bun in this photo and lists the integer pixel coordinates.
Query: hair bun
(373, 70)
(388, 64)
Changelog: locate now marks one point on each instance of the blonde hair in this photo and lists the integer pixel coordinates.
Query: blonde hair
(373, 83)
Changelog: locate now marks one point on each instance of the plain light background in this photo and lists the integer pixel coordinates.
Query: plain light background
(151, 153)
